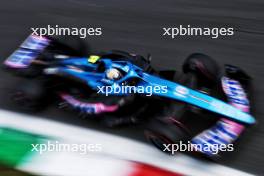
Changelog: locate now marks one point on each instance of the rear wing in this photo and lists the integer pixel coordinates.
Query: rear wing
(28, 51)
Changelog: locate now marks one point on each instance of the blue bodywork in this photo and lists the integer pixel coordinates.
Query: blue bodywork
(86, 70)
(82, 69)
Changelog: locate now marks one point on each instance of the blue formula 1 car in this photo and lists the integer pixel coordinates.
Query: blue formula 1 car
(124, 88)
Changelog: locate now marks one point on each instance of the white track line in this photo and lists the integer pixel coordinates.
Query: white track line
(115, 146)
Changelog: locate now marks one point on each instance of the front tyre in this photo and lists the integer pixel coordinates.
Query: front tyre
(203, 66)
(164, 133)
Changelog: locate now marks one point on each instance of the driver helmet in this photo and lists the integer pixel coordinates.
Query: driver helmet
(113, 73)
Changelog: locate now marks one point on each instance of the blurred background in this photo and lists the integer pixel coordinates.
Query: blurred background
(136, 26)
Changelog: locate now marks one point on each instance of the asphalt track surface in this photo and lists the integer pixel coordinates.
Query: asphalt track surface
(136, 26)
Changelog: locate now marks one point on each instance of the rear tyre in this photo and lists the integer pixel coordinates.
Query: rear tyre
(30, 72)
(70, 45)
(31, 95)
